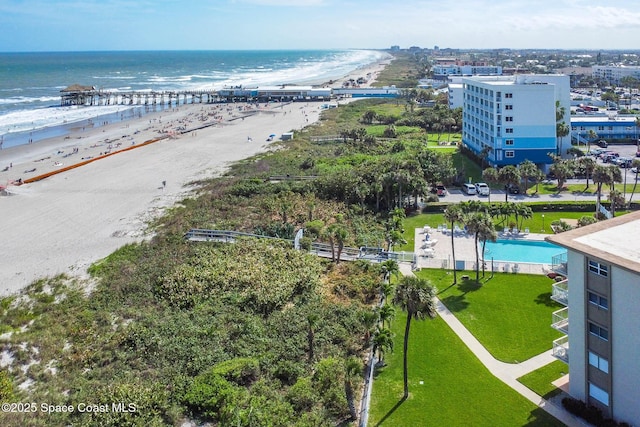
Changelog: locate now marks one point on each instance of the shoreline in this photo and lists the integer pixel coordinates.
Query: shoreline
(70, 220)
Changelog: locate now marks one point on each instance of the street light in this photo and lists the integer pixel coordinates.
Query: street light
(543, 223)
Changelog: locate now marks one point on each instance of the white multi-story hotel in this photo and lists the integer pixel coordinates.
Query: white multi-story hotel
(514, 117)
(602, 317)
(614, 73)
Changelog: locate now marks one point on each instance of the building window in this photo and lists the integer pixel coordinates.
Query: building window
(508, 130)
(598, 394)
(599, 362)
(510, 154)
(508, 118)
(508, 142)
(508, 95)
(598, 300)
(508, 107)
(598, 331)
(599, 269)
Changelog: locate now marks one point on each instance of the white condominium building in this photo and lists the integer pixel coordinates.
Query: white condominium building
(602, 317)
(614, 73)
(513, 118)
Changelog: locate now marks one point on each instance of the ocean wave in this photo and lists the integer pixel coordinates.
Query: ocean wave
(30, 120)
(28, 99)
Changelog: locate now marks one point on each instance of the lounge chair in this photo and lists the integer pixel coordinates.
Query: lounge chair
(526, 231)
(428, 253)
(515, 268)
(457, 230)
(506, 267)
(426, 229)
(505, 230)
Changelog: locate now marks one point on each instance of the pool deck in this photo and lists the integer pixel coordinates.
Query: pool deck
(441, 255)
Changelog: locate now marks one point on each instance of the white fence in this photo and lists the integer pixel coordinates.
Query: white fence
(498, 266)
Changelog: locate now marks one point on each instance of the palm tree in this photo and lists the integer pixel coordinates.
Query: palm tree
(636, 164)
(417, 297)
(479, 224)
(587, 164)
(487, 232)
(369, 319)
(382, 342)
(386, 313)
(388, 268)
(528, 170)
(352, 370)
(562, 130)
(509, 175)
(601, 175)
(341, 234)
(617, 201)
(453, 214)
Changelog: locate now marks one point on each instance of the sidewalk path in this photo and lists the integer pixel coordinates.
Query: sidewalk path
(505, 372)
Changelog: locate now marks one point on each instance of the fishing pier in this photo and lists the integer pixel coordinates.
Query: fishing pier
(89, 96)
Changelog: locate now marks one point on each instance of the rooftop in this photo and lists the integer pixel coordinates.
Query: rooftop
(615, 240)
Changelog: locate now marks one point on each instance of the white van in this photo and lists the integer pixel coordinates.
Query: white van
(469, 188)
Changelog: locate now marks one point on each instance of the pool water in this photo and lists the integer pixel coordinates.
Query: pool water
(534, 251)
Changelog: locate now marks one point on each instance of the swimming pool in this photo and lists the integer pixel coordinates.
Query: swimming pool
(535, 251)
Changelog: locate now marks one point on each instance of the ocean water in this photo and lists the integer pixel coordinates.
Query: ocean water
(30, 83)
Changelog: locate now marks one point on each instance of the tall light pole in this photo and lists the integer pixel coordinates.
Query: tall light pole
(543, 223)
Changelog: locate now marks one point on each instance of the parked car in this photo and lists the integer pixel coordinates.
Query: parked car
(635, 170)
(512, 189)
(610, 157)
(440, 190)
(469, 188)
(624, 162)
(482, 189)
(603, 144)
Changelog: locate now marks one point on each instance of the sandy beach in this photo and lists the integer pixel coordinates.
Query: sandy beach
(69, 220)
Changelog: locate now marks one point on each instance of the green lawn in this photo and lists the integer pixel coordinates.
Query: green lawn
(509, 314)
(540, 380)
(456, 389)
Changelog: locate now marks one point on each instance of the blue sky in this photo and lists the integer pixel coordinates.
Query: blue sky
(75, 25)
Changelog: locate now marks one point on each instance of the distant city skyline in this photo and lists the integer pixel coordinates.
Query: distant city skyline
(74, 25)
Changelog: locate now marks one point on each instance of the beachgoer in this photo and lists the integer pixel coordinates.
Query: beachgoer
(164, 184)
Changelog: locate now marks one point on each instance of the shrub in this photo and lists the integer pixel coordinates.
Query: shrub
(586, 220)
(6, 387)
(589, 413)
(302, 395)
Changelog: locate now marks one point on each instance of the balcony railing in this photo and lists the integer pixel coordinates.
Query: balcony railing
(560, 320)
(560, 292)
(559, 263)
(561, 349)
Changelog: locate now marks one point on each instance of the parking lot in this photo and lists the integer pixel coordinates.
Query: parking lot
(624, 150)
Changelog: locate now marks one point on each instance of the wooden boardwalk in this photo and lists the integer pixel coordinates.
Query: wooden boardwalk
(320, 249)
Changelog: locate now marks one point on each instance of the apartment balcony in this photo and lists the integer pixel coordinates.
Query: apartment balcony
(560, 292)
(560, 320)
(559, 263)
(560, 349)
